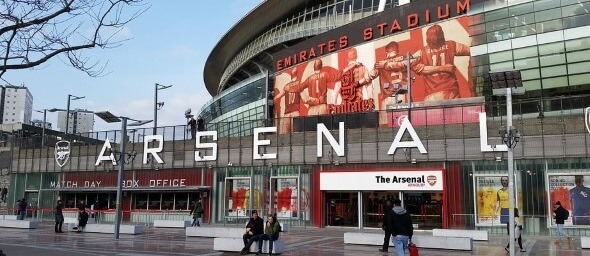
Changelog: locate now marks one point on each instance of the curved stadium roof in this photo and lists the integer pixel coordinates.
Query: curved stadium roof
(245, 31)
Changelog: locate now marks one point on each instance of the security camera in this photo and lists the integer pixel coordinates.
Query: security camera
(230, 164)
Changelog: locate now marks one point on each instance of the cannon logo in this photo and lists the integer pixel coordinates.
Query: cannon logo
(62, 152)
(431, 180)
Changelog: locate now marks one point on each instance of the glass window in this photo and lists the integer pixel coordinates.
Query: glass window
(497, 25)
(578, 56)
(530, 74)
(140, 201)
(576, 21)
(181, 202)
(521, 9)
(552, 48)
(501, 66)
(549, 26)
(546, 4)
(522, 53)
(521, 20)
(576, 9)
(551, 14)
(477, 29)
(579, 79)
(553, 71)
(568, 2)
(374, 207)
(578, 68)
(554, 82)
(500, 56)
(496, 14)
(167, 201)
(154, 202)
(526, 63)
(499, 35)
(532, 85)
(552, 59)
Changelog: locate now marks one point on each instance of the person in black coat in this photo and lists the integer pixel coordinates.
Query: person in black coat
(560, 214)
(59, 216)
(82, 220)
(400, 225)
(254, 229)
(385, 226)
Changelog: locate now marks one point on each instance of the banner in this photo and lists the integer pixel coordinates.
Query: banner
(286, 198)
(492, 201)
(373, 76)
(238, 200)
(574, 196)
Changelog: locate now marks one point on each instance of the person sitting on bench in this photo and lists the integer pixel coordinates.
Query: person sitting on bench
(271, 233)
(254, 229)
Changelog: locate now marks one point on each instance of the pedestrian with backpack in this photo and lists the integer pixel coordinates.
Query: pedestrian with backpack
(400, 226)
(560, 214)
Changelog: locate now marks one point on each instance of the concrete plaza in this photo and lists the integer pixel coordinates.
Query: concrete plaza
(300, 241)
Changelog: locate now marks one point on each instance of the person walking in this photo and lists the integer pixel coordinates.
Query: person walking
(22, 208)
(197, 213)
(560, 214)
(400, 225)
(4, 193)
(82, 220)
(59, 216)
(517, 232)
(385, 227)
(271, 233)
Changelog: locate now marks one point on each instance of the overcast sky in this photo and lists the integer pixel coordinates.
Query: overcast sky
(168, 44)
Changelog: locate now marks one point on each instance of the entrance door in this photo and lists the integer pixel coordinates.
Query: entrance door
(425, 208)
(374, 207)
(32, 199)
(341, 209)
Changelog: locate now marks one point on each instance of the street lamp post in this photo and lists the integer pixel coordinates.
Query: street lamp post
(511, 84)
(44, 123)
(158, 105)
(70, 98)
(110, 118)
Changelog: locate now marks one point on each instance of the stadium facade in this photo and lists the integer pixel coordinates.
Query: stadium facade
(323, 110)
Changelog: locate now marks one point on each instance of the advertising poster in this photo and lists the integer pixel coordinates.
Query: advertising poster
(240, 194)
(574, 196)
(492, 201)
(373, 76)
(286, 195)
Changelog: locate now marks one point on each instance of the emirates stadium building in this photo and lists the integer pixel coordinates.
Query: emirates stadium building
(323, 110)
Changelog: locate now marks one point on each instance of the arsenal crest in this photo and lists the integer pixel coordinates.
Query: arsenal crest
(431, 180)
(62, 152)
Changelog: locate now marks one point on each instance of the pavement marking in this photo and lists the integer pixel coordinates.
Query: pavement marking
(294, 246)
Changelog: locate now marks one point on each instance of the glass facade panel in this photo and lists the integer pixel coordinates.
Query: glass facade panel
(521, 9)
(140, 201)
(532, 85)
(500, 56)
(552, 48)
(522, 53)
(554, 71)
(583, 79)
(554, 82)
(577, 68)
(578, 56)
(526, 63)
(501, 66)
(530, 74)
(168, 201)
(154, 202)
(551, 14)
(546, 4)
(548, 26)
(552, 59)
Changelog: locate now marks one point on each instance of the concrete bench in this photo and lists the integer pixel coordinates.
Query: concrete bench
(8, 217)
(26, 224)
(110, 229)
(215, 232)
(430, 242)
(172, 223)
(477, 235)
(585, 242)
(232, 244)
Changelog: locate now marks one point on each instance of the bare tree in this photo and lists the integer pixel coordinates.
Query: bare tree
(34, 31)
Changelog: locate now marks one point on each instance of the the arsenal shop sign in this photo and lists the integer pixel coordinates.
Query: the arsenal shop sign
(382, 180)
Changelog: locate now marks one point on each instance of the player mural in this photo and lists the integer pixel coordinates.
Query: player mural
(573, 195)
(492, 201)
(373, 77)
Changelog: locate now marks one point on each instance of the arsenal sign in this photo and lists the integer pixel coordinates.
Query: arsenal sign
(62, 152)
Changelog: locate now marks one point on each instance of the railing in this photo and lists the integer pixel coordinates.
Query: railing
(240, 220)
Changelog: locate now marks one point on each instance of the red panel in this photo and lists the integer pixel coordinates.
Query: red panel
(453, 193)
